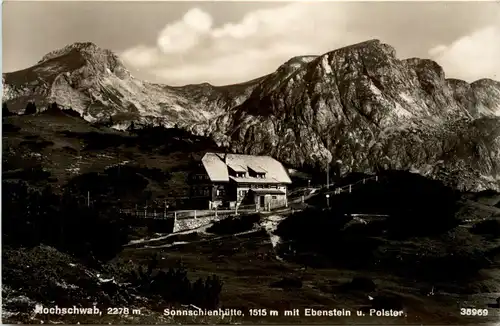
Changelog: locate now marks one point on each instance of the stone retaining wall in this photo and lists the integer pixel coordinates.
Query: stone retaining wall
(193, 223)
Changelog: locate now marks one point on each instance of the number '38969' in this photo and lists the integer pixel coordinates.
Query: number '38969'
(473, 312)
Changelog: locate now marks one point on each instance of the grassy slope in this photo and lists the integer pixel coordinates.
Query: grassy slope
(68, 146)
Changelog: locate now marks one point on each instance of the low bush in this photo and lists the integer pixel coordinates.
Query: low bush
(174, 286)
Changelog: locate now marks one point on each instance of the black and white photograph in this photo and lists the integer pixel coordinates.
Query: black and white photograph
(251, 162)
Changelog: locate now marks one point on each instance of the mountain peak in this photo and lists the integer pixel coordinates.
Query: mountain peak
(102, 60)
(80, 47)
(374, 48)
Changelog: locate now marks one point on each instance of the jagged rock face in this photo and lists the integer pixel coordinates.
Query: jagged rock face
(94, 82)
(358, 108)
(361, 108)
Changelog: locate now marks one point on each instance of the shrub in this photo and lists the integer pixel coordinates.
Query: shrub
(174, 286)
(30, 108)
(5, 110)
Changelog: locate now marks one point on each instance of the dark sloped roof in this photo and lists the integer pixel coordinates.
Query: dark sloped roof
(237, 168)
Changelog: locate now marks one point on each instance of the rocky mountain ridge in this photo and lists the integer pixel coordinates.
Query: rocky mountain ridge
(94, 82)
(358, 108)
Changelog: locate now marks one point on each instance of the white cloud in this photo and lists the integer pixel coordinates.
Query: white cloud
(186, 33)
(473, 56)
(141, 56)
(192, 50)
(241, 65)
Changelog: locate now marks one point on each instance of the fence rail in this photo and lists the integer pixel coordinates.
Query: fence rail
(296, 196)
(351, 186)
(189, 214)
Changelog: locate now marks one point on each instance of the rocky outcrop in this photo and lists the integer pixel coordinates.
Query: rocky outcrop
(358, 108)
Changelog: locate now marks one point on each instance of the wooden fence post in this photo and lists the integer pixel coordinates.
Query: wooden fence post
(376, 178)
(350, 188)
(195, 213)
(364, 180)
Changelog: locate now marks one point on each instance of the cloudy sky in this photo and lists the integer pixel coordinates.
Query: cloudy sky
(229, 42)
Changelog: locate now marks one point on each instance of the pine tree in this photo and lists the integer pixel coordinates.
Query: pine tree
(30, 108)
(5, 110)
(131, 128)
(54, 107)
